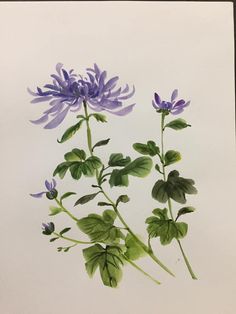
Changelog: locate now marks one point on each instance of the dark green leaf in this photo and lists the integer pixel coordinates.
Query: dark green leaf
(104, 204)
(185, 210)
(161, 226)
(109, 261)
(176, 187)
(101, 143)
(177, 124)
(133, 249)
(147, 149)
(99, 117)
(140, 167)
(117, 179)
(157, 167)
(171, 157)
(75, 155)
(61, 169)
(122, 199)
(54, 210)
(118, 160)
(64, 231)
(53, 239)
(101, 228)
(75, 170)
(86, 198)
(70, 132)
(67, 194)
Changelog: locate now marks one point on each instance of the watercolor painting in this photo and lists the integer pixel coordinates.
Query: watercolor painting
(112, 246)
(117, 157)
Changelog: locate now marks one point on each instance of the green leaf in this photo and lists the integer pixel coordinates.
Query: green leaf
(67, 194)
(53, 239)
(175, 187)
(101, 143)
(109, 261)
(61, 169)
(71, 131)
(171, 157)
(54, 210)
(86, 198)
(75, 155)
(157, 167)
(75, 170)
(177, 124)
(122, 199)
(147, 149)
(118, 160)
(167, 229)
(140, 167)
(104, 204)
(185, 210)
(64, 231)
(99, 117)
(133, 249)
(117, 179)
(101, 228)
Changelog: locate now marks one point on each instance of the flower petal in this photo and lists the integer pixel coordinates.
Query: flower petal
(57, 120)
(124, 111)
(128, 95)
(37, 195)
(48, 185)
(157, 98)
(174, 95)
(43, 119)
(41, 99)
(58, 68)
(179, 103)
(156, 106)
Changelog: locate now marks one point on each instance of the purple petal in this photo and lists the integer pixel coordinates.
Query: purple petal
(48, 185)
(54, 184)
(58, 68)
(128, 95)
(57, 120)
(123, 111)
(37, 195)
(126, 89)
(111, 83)
(40, 120)
(32, 93)
(56, 108)
(177, 111)
(155, 105)
(96, 69)
(187, 104)
(179, 103)
(40, 99)
(174, 95)
(157, 98)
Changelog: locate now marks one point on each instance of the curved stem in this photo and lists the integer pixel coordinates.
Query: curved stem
(144, 246)
(141, 270)
(70, 239)
(169, 201)
(66, 210)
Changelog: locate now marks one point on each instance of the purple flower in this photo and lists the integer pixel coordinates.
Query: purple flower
(48, 228)
(51, 192)
(67, 92)
(174, 106)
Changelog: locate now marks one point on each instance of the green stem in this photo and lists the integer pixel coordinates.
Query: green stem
(169, 201)
(141, 270)
(145, 247)
(70, 239)
(66, 210)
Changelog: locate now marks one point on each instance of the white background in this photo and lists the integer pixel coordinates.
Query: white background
(156, 46)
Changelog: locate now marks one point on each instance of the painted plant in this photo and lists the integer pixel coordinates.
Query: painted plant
(112, 243)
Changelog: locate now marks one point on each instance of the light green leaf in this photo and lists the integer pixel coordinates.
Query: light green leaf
(54, 210)
(140, 167)
(75, 155)
(117, 179)
(147, 149)
(61, 169)
(171, 157)
(67, 194)
(133, 249)
(177, 124)
(71, 131)
(118, 160)
(109, 261)
(167, 229)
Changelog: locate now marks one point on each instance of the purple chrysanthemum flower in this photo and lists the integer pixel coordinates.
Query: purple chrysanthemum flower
(67, 93)
(48, 228)
(174, 106)
(51, 192)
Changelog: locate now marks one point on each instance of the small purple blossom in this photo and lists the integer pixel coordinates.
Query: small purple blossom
(50, 192)
(173, 106)
(48, 228)
(68, 91)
